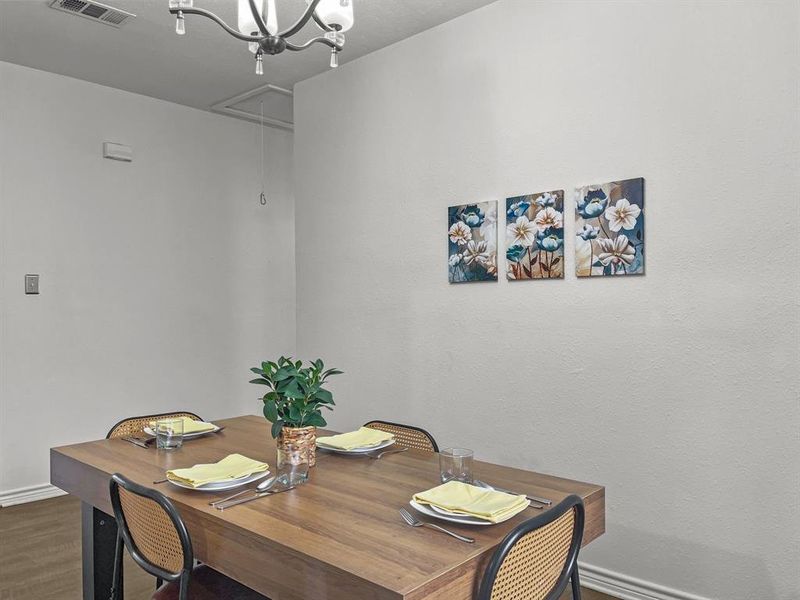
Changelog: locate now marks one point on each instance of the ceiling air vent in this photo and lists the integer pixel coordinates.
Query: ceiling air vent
(95, 11)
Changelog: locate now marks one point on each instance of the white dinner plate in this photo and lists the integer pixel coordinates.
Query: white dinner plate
(446, 515)
(463, 519)
(380, 446)
(186, 436)
(218, 486)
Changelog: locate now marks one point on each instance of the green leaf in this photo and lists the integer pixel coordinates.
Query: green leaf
(292, 390)
(294, 413)
(271, 411)
(324, 396)
(276, 428)
(261, 382)
(271, 396)
(282, 374)
(256, 370)
(315, 419)
(330, 372)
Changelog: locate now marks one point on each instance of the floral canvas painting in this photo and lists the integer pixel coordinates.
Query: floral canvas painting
(535, 236)
(609, 229)
(472, 242)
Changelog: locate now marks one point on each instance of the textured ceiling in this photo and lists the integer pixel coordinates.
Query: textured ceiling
(206, 65)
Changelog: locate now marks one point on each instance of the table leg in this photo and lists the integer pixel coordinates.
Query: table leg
(98, 540)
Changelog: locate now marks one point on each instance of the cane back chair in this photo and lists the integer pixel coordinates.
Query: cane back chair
(134, 425)
(538, 558)
(407, 436)
(151, 529)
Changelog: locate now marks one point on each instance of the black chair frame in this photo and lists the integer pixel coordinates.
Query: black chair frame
(570, 572)
(420, 429)
(124, 537)
(158, 416)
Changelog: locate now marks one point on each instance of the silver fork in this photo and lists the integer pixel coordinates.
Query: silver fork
(395, 451)
(415, 522)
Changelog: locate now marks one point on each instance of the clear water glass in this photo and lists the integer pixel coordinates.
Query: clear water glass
(169, 434)
(293, 463)
(455, 463)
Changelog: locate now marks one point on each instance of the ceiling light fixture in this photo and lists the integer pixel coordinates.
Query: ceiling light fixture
(257, 24)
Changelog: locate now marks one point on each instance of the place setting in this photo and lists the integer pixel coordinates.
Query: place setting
(464, 500)
(365, 442)
(170, 433)
(233, 472)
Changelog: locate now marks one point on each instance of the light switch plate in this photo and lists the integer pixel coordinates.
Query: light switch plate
(31, 284)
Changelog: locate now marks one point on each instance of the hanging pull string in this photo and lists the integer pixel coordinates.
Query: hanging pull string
(262, 197)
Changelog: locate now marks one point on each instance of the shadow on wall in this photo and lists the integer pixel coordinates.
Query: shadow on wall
(749, 572)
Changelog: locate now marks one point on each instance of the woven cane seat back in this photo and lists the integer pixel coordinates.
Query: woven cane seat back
(406, 436)
(152, 531)
(136, 425)
(532, 568)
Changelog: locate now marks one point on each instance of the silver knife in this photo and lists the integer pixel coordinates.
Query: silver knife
(544, 501)
(135, 442)
(225, 505)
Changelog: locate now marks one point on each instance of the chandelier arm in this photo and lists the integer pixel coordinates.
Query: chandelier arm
(300, 23)
(316, 40)
(258, 18)
(320, 23)
(217, 20)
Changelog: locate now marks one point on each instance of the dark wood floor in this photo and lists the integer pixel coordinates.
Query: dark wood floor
(40, 555)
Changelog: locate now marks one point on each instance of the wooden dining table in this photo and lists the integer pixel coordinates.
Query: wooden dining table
(339, 536)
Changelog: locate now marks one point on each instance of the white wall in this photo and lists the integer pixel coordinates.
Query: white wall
(162, 280)
(677, 390)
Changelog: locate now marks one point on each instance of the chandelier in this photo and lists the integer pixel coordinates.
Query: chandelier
(257, 24)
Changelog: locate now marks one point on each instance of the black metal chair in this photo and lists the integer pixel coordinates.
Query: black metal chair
(149, 526)
(134, 425)
(407, 436)
(537, 559)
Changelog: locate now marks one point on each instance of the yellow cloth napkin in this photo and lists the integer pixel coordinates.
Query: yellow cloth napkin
(232, 466)
(363, 438)
(189, 425)
(473, 501)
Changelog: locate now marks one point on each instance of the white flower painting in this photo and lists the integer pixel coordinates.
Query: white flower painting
(535, 236)
(609, 226)
(472, 242)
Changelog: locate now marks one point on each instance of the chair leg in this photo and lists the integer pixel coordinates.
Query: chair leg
(576, 585)
(159, 581)
(183, 594)
(115, 585)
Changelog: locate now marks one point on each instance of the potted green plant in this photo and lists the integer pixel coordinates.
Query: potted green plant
(294, 405)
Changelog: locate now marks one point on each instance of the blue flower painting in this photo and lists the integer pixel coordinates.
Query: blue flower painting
(535, 236)
(472, 242)
(609, 229)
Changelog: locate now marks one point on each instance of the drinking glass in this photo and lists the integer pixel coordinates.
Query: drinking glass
(169, 434)
(455, 463)
(293, 462)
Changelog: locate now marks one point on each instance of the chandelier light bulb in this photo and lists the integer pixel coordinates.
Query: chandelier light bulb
(245, 21)
(180, 25)
(335, 13)
(334, 58)
(259, 64)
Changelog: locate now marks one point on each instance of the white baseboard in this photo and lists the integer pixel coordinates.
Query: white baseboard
(29, 494)
(626, 587)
